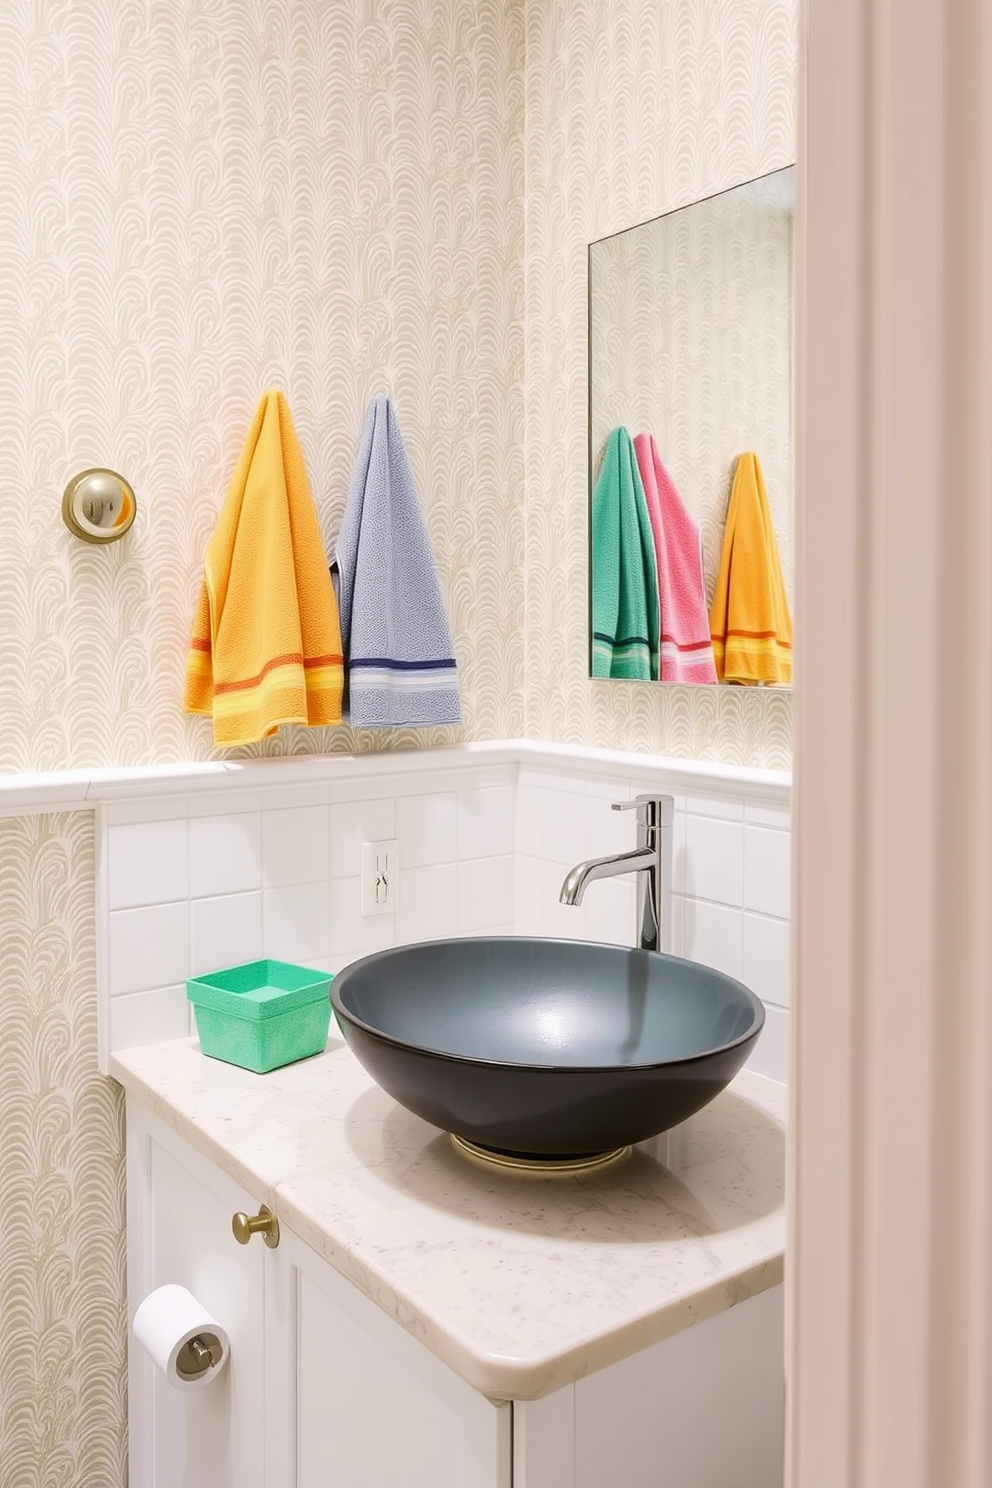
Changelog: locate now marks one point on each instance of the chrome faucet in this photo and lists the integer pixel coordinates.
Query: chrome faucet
(651, 859)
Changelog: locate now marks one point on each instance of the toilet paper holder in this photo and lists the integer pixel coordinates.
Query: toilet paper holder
(205, 1351)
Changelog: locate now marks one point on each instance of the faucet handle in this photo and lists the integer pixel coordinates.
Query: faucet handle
(664, 809)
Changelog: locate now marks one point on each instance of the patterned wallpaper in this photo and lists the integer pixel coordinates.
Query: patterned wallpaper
(690, 331)
(62, 1294)
(199, 200)
(632, 109)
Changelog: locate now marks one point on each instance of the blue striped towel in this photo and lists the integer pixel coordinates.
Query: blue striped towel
(399, 661)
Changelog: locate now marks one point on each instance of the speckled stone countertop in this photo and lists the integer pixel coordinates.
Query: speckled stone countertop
(520, 1284)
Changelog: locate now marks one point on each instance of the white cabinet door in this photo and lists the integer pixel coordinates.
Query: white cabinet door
(375, 1408)
(179, 1219)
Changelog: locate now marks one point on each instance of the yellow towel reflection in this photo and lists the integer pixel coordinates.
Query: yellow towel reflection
(750, 621)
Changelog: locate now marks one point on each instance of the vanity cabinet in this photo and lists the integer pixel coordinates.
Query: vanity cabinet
(324, 1388)
(321, 1386)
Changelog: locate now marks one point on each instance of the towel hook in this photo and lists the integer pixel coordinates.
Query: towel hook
(98, 505)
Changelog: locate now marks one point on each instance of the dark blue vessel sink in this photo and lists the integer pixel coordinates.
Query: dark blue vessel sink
(551, 1049)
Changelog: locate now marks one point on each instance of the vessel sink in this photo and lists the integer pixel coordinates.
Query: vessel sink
(545, 1049)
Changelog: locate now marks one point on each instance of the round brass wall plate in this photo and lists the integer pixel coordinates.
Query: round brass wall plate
(98, 506)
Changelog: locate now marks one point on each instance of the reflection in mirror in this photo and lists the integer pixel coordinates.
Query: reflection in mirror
(690, 427)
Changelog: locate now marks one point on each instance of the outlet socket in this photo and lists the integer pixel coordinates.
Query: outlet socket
(380, 877)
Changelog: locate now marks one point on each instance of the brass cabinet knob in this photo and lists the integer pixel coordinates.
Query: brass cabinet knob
(263, 1223)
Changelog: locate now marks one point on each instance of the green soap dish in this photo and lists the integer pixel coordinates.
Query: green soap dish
(263, 1014)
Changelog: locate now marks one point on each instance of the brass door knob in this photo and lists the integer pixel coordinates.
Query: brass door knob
(263, 1223)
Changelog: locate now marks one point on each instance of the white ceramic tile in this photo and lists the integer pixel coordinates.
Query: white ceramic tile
(679, 852)
(609, 831)
(766, 958)
(677, 947)
(714, 936)
(766, 871)
(225, 854)
(427, 829)
(294, 797)
(485, 822)
(148, 947)
(611, 911)
(353, 933)
(428, 902)
(485, 893)
(296, 923)
(149, 1017)
(147, 809)
(763, 815)
(294, 846)
(225, 931)
(370, 788)
(146, 864)
(528, 881)
(770, 1055)
(563, 816)
(529, 838)
(573, 782)
(720, 806)
(714, 860)
(356, 822)
(224, 803)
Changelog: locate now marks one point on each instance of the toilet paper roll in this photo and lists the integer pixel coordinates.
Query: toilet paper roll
(175, 1330)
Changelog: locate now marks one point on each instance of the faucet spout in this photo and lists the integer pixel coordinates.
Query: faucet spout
(651, 860)
(635, 861)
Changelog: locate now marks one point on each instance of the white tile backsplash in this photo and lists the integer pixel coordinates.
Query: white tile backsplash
(529, 835)
(485, 894)
(352, 933)
(611, 911)
(427, 830)
(725, 807)
(296, 923)
(770, 1055)
(149, 1017)
(563, 818)
(766, 871)
(428, 902)
(217, 878)
(148, 864)
(766, 958)
(714, 859)
(225, 854)
(353, 823)
(528, 881)
(714, 935)
(295, 846)
(485, 822)
(148, 947)
(225, 931)
(609, 831)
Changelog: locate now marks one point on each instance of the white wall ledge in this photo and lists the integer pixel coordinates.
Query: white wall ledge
(83, 790)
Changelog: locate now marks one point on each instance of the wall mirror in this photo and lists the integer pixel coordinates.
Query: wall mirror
(690, 434)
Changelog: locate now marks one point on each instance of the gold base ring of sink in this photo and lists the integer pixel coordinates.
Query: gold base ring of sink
(544, 1167)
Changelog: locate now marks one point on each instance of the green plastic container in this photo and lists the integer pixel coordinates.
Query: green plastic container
(263, 1014)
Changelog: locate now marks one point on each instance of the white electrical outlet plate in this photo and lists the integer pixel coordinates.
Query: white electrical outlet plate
(380, 877)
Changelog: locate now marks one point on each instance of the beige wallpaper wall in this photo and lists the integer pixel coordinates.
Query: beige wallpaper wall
(197, 201)
(633, 108)
(201, 200)
(62, 1317)
(690, 338)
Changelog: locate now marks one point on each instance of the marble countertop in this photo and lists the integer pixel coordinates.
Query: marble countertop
(520, 1284)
